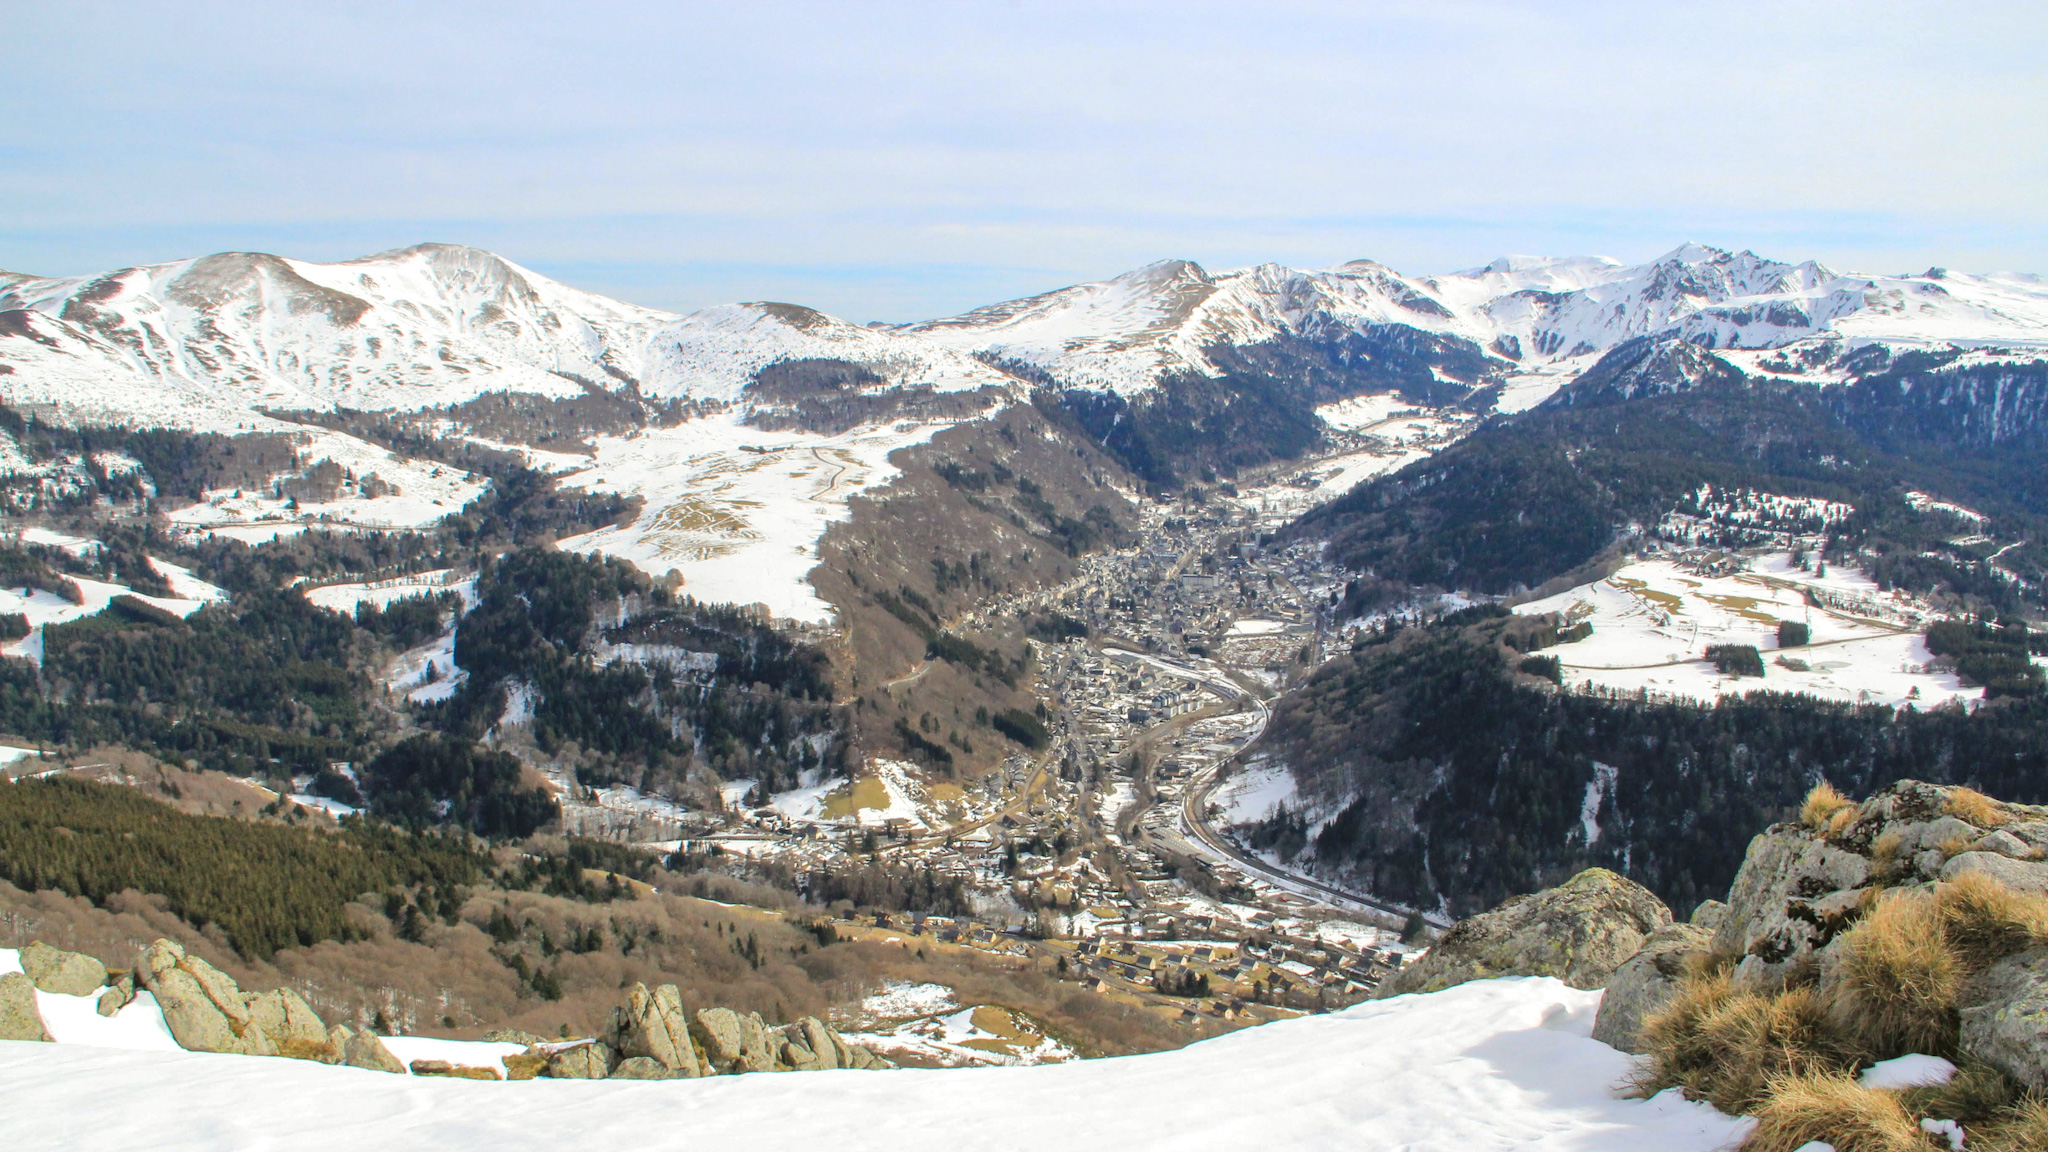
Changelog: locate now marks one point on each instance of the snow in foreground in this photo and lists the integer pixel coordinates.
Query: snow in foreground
(1498, 1064)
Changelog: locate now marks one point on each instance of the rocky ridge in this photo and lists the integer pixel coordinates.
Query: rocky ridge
(650, 1036)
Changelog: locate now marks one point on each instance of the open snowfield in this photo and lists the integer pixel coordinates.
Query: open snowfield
(1491, 1065)
(738, 511)
(343, 598)
(1654, 618)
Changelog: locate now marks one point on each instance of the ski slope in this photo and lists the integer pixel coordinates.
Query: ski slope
(1484, 1067)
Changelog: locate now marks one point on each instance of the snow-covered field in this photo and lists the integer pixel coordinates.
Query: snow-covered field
(343, 598)
(425, 491)
(1654, 618)
(738, 512)
(1485, 1067)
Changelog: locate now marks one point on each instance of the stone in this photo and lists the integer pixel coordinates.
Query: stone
(2005, 844)
(757, 1053)
(1646, 982)
(2019, 875)
(118, 995)
(195, 1023)
(1579, 932)
(718, 1030)
(800, 1058)
(514, 1036)
(457, 1071)
(20, 1018)
(526, 1065)
(2005, 1022)
(1773, 923)
(591, 1060)
(68, 973)
(207, 1011)
(652, 1024)
(2033, 832)
(642, 1068)
(363, 1050)
(822, 1041)
(1709, 915)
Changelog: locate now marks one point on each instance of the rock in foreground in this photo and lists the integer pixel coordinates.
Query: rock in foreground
(1579, 932)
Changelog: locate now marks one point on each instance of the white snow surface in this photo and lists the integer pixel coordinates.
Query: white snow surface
(1910, 1071)
(1653, 620)
(1489, 1065)
(736, 511)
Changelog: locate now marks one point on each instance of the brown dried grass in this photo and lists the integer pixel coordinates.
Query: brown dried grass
(1823, 806)
(1899, 981)
(1974, 807)
(1729, 1047)
(1984, 921)
(2025, 1129)
(1833, 1108)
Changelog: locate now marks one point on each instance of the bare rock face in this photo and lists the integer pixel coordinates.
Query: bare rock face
(70, 973)
(643, 1068)
(20, 1019)
(652, 1025)
(118, 995)
(2018, 875)
(454, 1071)
(1579, 932)
(718, 1030)
(1794, 894)
(589, 1061)
(1646, 982)
(2006, 1024)
(208, 1012)
(362, 1050)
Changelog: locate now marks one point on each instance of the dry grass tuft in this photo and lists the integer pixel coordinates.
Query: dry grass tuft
(1952, 847)
(1833, 1108)
(1823, 806)
(1728, 1047)
(1899, 982)
(1974, 1095)
(2025, 1129)
(1974, 807)
(1985, 921)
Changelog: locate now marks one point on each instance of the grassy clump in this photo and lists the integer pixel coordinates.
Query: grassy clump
(1791, 1058)
(1729, 1047)
(2022, 1129)
(1826, 809)
(1899, 983)
(1834, 1108)
(1974, 807)
(1984, 922)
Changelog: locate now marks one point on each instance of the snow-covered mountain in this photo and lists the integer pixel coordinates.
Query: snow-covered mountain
(1525, 317)
(212, 342)
(207, 342)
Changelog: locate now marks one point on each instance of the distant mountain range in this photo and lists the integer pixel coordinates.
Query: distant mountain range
(215, 341)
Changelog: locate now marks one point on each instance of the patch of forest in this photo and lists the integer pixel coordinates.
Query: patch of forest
(1447, 775)
(264, 886)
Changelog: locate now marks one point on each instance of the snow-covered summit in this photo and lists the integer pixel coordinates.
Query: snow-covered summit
(1520, 312)
(196, 342)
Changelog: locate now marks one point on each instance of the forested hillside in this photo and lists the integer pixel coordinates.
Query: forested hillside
(1438, 771)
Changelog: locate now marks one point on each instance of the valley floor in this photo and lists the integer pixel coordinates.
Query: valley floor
(1498, 1064)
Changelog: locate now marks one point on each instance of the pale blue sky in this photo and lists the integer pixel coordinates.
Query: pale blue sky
(900, 160)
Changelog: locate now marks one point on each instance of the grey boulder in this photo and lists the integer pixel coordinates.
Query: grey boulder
(1646, 982)
(70, 973)
(1579, 932)
(20, 1019)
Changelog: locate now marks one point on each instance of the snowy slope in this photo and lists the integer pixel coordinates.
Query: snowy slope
(1484, 1067)
(204, 342)
(715, 353)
